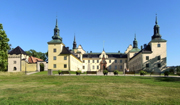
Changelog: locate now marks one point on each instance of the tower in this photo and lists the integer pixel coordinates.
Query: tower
(55, 47)
(156, 30)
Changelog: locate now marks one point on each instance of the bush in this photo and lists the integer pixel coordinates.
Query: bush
(166, 73)
(142, 72)
(59, 71)
(78, 72)
(116, 72)
(105, 71)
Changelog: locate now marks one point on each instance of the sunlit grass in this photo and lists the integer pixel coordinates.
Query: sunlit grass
(94, 90)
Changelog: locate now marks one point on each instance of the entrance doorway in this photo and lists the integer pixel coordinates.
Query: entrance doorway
(41, 67)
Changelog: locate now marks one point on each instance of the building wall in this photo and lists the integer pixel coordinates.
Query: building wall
(75, 64)
(51, 54)
(135, 64)
(11, 64)
(28, 67)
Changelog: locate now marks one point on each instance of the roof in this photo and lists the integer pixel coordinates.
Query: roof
(110, 55)
(66, 50)
(135, 50)
(158, 40)
(17, 50)
(34, 59)
(147, 49)
(54, 42)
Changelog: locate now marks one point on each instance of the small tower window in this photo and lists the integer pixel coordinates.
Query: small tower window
(159, 57)
(54, 65)
(65, 65)
(158, 45)
(109, 61)
(147, 57)
(54, 57)
(147, 65)
(14, 62)
(14, 68)
(54, 50)
(65, 57)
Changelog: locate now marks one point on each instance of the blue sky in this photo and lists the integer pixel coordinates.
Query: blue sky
(30, 23)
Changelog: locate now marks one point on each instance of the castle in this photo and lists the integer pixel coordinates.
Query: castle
(150, 57)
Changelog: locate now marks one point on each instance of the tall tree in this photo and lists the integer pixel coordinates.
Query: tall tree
(4, 47)
(33, 53)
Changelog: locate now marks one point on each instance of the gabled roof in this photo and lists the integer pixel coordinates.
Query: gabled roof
(65, 50)
(34, 59)
(17, 50)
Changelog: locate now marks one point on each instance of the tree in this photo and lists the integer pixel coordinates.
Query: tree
(4, 47)
(33, 53)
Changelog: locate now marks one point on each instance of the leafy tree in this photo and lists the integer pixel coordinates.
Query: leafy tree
(4, 47)
(33, 53)
(178, 69)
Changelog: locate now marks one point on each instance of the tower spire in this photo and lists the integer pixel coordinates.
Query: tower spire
(135, 43)
(156, 30)
(74, 42)
(56, 32)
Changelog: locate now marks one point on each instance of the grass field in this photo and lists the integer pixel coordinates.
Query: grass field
(20, 89)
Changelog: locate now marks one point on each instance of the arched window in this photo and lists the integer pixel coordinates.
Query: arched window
(15, 69)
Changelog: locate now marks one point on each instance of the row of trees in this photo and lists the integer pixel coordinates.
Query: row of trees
(36, 54)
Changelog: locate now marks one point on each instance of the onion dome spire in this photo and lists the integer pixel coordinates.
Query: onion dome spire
(156, 30)
(74, 42)
(56, 32)
(135, 43)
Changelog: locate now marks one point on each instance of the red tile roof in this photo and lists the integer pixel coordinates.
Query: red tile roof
(33, 59)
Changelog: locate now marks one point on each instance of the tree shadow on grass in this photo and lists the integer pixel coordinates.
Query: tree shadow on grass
(167, 79)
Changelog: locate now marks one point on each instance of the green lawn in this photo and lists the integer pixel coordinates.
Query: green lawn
(20, 89)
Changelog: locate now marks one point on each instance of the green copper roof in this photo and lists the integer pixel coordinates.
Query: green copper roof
(158, 40)
(54, 42)
(135, 50)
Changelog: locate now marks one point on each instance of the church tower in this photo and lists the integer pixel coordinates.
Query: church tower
(158, 47)
(135, 43)
(55, 47)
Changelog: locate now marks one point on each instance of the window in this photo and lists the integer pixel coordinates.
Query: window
(54, 65)
(97, 67)
(115, 61)
(65, 57)
(147, 65)
(83, 61)
(88, 61)
(14, 62)
(15, 69)
(121, 67)
(109, 67)
(83, 67)
(103, 61)
(54, 57)
(159, 65)
(120, 61)
(93, 67)
(126, 61)
(159, 57)
(109, 61)
(54, 50)
(115, 67)
(93, 61)
(65, 66)
(97, 61)
(147, 57)
(158, 45)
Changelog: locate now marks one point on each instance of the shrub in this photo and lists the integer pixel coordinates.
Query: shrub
(105, 71)
(166, 73)
(59, 71)
(142, 72)
(116, 72)
(78, 72)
